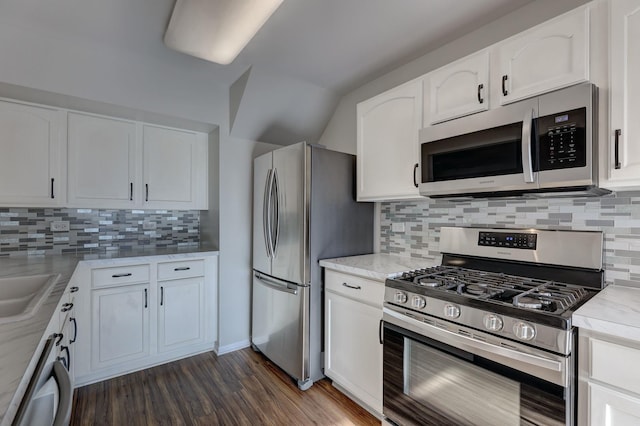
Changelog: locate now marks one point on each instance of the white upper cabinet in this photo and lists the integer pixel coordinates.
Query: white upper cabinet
(173, 162)
(387, 144)
(102, 162)
(30, 156)
(550, 56)
(459, 89)
(624, 129)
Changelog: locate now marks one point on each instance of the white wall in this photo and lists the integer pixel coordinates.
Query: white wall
(236, 197)
(340, 133)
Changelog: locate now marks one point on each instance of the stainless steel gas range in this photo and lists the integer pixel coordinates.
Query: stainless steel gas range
(486, 337)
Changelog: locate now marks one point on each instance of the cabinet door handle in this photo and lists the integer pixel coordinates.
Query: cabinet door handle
(355, 287)
(145, 298)
(504, 85)
(146, 192)
(74, 289)
(52, 194)
(75, 329)
(127, 274)
(67, 307)
(480, 98)
(161, 295)
(131, 191)
(415, 181)
(380, 336)
(183, 268)
(616, 151)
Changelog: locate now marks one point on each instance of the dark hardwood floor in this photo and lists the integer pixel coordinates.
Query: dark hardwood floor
(240, 388)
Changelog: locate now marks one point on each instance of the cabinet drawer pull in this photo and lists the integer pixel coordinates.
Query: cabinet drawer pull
(183, 268)
(59, 337)
(67, 307)
(74, 289)
(75, 329)
(127, 274)
(616, 152)
(480, 98)
(355, 287)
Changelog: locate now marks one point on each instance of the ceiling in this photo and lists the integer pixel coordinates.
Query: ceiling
(291, 75)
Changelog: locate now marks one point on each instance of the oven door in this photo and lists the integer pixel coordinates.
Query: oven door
(435, 376)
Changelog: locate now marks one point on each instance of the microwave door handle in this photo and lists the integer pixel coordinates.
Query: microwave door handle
(527, 161)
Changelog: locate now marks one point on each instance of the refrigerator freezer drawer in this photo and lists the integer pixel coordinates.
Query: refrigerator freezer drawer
(280, 323)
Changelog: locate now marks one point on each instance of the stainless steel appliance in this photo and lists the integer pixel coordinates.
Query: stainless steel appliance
(304, 210)
(486, 338)
(540, 145)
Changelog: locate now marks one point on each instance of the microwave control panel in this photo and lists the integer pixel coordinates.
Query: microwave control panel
(563, 140)
(508, 240)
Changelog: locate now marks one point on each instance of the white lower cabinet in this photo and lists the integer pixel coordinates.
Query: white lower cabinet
(353, 353)
(144, 314)
(609, 382)
(120, 325)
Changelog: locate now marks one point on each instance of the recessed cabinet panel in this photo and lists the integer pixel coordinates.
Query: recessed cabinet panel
(612, 408)
(102, 161)
(624, 130)
(30, 156)
(387, 138)
(552, 55)
(169, 161)
(181, 313)
(460, 88)
(120, 325)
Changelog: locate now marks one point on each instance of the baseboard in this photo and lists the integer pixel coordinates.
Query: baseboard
(221, 350)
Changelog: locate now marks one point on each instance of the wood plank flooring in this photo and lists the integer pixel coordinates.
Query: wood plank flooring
(240, 388)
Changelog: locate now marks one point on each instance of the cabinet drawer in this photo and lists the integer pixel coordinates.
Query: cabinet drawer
(361, 289)
(615, 364)
(177, 270)
(103, 277)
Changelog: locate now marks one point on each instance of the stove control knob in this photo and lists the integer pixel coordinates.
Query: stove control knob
(524, 331)
(492, 322)
(451, 311)
(400, 297)
(418, 302)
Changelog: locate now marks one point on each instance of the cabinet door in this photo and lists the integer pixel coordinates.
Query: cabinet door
(460, 88)
(119, 325)
(387, 137)
(30, 156)
(353, 353)
(181, 313)
(102, 162)
(171, 168)
(608, 407)
(624, 135)
(552, 55)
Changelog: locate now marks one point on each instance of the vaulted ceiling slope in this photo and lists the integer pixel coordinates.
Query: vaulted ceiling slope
(281, 89)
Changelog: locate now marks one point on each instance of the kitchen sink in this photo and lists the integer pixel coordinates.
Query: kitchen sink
(21, 297)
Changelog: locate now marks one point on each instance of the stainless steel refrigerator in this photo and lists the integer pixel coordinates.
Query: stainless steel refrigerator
(304, 210)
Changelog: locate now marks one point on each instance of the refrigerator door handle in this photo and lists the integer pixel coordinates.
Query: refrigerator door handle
(275, 284)
(266, 214)
(276, 196)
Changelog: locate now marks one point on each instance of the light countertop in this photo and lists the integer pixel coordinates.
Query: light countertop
(21, 340)
(377, 266)
(615, 311)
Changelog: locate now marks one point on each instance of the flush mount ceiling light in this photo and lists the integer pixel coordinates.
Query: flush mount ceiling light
(216, 30)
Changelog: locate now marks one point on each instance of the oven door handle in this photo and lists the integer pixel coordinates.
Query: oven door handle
(556, 368)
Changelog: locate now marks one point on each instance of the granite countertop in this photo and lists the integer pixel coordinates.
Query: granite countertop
(378, 266)
(614, 310)
(21, 340)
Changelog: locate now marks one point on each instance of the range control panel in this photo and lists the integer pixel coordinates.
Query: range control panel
(508, 240)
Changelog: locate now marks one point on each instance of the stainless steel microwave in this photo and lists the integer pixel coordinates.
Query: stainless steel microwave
(543, 146)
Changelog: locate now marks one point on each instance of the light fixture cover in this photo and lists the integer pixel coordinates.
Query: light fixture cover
(216, 30)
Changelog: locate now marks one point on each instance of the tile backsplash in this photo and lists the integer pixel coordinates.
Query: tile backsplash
(27, 231)
(617, 215)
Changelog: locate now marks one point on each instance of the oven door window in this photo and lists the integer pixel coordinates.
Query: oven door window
(491, 152)
(427, 382)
